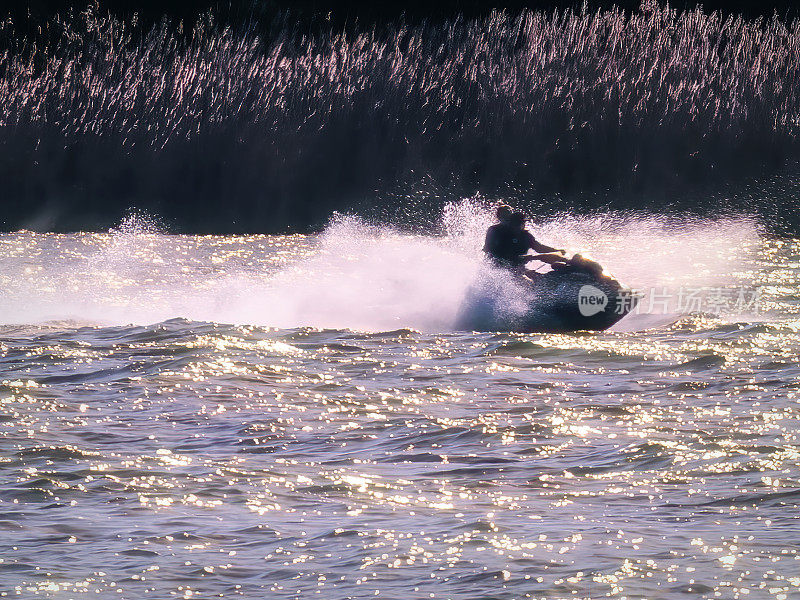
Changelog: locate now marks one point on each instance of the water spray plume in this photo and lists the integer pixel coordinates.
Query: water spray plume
(354, 275)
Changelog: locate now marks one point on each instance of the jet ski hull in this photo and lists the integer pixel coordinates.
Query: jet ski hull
(555, 302)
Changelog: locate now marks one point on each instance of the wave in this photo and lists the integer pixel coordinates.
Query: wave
(354, 275)
(264, 127)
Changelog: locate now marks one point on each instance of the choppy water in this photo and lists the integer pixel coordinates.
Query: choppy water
(336, 439)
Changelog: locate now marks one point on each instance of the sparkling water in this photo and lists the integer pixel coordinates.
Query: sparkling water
(295, 417)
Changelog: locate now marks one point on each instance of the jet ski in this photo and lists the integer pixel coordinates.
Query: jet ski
(578, 296)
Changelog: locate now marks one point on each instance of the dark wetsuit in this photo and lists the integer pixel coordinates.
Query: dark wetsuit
(506, 246)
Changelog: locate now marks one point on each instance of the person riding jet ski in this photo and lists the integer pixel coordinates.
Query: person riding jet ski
(508, 242)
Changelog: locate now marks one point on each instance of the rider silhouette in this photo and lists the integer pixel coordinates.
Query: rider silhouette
(508, 242)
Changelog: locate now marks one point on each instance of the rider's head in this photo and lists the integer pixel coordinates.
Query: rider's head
(503, 213)
(517, 220)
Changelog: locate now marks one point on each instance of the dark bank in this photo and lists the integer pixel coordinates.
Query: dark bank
(252, 118)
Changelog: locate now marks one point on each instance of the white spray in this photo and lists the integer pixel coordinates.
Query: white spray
(353, 275)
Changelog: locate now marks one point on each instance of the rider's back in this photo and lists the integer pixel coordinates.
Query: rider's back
(506, 245)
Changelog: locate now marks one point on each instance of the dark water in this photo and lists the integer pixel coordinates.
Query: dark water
(369, 451)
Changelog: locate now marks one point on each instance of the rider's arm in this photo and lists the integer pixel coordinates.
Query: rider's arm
(549, 258)
(544, 249)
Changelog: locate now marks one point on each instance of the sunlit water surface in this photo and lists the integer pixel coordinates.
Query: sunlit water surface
(293, 417)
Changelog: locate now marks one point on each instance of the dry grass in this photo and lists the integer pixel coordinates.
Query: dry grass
(300, 124)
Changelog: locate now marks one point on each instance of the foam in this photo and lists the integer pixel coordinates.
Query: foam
(353, 275)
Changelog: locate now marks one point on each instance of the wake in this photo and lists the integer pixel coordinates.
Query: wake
(353, 275)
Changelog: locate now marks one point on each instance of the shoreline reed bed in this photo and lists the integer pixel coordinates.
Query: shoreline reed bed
(265, 127)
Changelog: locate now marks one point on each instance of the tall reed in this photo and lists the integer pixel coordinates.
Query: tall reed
(264, 126)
